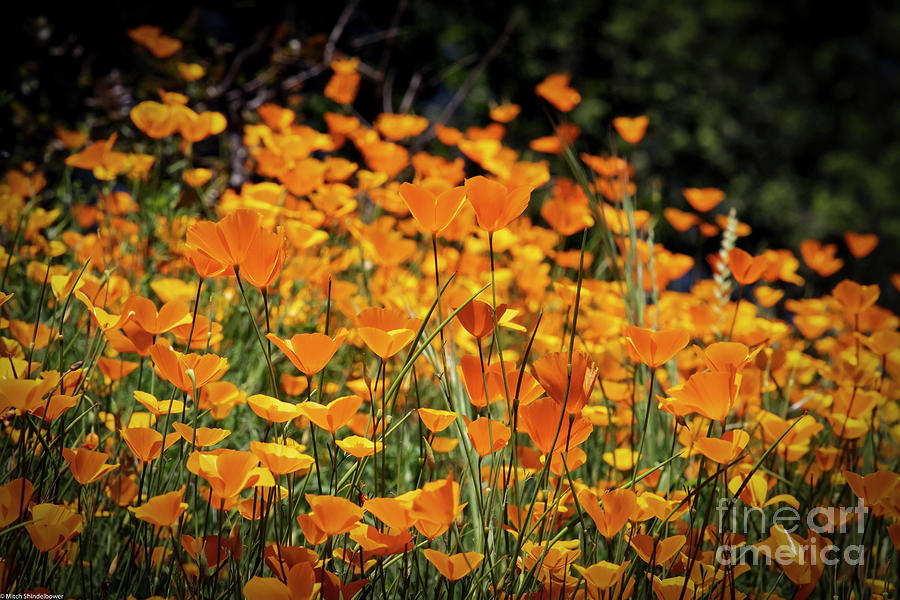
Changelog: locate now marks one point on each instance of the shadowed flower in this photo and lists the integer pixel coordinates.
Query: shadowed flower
(703, 199)
(14, 499)
(152, 38)
(860, 244)
(300, 584)
(631, 129)
(52, 525)
(556, 90)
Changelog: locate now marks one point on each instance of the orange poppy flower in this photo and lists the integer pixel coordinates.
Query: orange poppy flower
(145, 443)
(768, 296)
(496, 206)
(198, 126)
(679, 219)
(281, 459)
(396, 126)
(617, 507)
(393, 512)
(157, 120)
(724, 450)
(437, 503)
(478, 317)
(449, 136)
(872, 488)
(228, 472)
(603, 575)
(433, 212)
(860, 244)
(86, 465)
(488, 435)
(333, 515)
(52, 525)
(820, 258)
(745, 268)
(100, 158)
(27, 395)
(334, 415)
(71, 139)
(359, 446)
(273, 410)
(191, 71)
(174, 367)
(309, 352)
(556, 90)
(654, 348)
(505, 112)
(344, 83)
(202, 436)
(162, 510)
(227, 241)
(152, 38)
(158, 408)
(15, 496)
(456, 566)
(170, 315)
(710, 394)
(386, 331)
(703, 199)
(265, 259)
(300, 584)
(729, 357)
(631, 129)
(436, 420)
(311, 531)
(541, 419)
(552, 372)
(206, 266)
(657, 551)
(855, 298)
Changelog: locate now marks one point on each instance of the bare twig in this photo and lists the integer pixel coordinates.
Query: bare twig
(410, 94)
(473, 76)
(330, 46)
(386, 53)
(261, 38)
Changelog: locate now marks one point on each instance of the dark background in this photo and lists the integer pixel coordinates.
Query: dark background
(790, 107)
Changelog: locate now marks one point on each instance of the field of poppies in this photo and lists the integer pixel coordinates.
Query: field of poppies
(409, 360)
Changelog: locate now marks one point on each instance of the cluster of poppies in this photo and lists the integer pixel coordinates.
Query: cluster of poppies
(380, 371)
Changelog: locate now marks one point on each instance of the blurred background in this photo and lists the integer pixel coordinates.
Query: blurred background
(791, 108)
